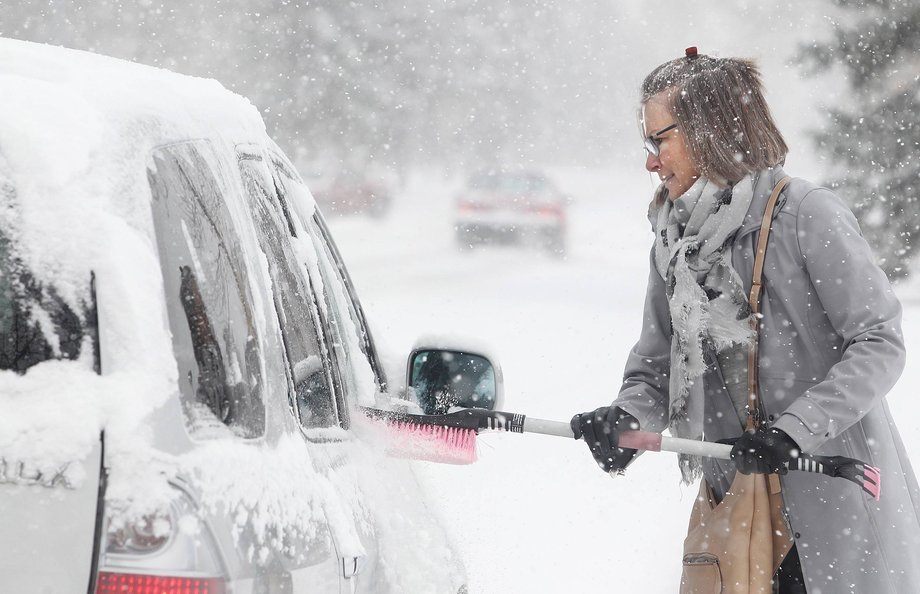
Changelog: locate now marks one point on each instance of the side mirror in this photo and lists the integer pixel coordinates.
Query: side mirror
(442, 379)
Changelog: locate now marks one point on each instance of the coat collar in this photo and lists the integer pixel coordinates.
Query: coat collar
(766, 181)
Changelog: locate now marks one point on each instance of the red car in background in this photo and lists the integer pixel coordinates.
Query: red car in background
(525, 207)
(350, 192)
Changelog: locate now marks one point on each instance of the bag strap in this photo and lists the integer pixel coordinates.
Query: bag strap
(754, 417)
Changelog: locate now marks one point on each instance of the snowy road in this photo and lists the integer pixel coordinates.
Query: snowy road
(534, 514)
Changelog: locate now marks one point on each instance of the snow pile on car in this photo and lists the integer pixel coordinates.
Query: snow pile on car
(75, 133)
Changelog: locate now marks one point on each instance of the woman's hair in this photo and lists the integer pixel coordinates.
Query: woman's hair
(719, 107)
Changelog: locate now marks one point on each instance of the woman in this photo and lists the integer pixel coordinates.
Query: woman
(830, 337)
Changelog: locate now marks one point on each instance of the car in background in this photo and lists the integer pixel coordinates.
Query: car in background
(511, 206)
(350, 191)
(183, 359)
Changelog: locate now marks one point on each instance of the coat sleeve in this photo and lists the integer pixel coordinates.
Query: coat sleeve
(644, 393)
(858, 300)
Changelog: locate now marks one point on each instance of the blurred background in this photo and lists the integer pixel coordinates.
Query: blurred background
(480, 166)
(363, 94)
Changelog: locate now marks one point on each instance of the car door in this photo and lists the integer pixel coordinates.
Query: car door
(48, 527)
(397, 510)
(350, 344)
(318, 394)
(232, 384)
(348, 329)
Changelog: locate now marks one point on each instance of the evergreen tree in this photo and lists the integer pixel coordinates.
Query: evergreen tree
(873, 142)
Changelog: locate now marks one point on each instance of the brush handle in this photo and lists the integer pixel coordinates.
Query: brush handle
(558, 428)
(655, 442)
(637, 440)
(865, 476)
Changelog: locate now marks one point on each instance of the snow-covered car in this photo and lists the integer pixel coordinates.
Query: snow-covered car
(182, 356)
(503, 206)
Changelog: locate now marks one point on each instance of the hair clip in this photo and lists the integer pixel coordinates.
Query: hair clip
(691, 52)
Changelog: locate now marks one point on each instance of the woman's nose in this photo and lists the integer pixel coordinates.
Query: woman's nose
(652, 163)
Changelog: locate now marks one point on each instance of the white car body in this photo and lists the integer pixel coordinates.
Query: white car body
(168, 269)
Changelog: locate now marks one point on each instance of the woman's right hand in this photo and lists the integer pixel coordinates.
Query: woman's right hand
(600, 430)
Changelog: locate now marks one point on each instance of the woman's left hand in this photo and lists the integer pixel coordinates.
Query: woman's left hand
(765, 451)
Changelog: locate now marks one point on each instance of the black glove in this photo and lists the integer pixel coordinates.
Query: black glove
(765, 451)
(600, 430)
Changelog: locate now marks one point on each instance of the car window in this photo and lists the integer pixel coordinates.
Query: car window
(349, 334)
(209, 304)
(341, 326)
(315, 392)
(508, 182)
(36, 324)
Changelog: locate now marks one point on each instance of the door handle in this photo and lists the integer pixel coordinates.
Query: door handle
(352, 566)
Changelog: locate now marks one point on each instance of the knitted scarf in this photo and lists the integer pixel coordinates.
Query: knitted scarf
(709, 308)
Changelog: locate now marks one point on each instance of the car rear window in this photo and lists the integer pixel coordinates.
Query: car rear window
(501, 182)
(36, 324)
(210, 308)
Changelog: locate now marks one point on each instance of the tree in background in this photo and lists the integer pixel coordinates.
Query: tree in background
(873, 143)
(345, 83)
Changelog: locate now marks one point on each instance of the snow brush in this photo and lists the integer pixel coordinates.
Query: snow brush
(451, 438)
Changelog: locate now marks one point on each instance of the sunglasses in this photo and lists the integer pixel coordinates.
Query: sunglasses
(652, 141)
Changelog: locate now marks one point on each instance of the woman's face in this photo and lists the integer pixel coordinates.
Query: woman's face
(673, 164)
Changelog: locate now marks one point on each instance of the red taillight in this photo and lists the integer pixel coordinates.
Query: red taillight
(132, 583)
(468, 206)
(547, 210)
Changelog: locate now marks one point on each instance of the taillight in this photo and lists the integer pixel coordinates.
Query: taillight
(170, 551)
(547, 210)
(469, 206)
(133, 583)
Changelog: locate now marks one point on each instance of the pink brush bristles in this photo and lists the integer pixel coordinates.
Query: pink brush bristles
(451, 445)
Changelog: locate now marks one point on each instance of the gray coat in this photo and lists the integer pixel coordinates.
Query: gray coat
(831, 348)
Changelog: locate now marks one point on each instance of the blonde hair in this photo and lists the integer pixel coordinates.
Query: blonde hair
(719, 107)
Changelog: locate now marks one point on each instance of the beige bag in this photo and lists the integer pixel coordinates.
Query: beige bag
(735, 547)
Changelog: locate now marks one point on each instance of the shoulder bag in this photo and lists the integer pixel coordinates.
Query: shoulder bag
(736, 547)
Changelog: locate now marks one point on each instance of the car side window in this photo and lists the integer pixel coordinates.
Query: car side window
(351, 338)
(315, 391)
(209, 304)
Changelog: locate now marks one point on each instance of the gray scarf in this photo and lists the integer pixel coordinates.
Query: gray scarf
(709, 308)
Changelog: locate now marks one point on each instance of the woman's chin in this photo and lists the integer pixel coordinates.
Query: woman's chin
(675, 189)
